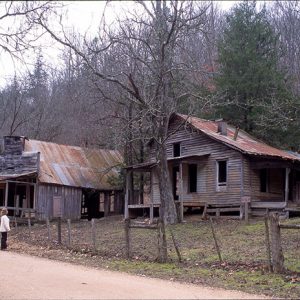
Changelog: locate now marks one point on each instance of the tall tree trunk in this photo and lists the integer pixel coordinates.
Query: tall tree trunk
(130, 154)
(168, 211)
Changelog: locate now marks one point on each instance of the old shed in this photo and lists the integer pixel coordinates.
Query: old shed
(59, 180)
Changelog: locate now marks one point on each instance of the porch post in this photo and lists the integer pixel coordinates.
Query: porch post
(181, 192)
(151, 197)
(126, 212)
(106, 203)
(286, 190)
(6, 194)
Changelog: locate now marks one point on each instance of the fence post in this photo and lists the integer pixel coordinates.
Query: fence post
(93, 234)
(162, 242)
(16, 224)
(215, 239)
(59, 230)
(48, 228)
(175, 245)
(29, 227)
(268, 248)
(69, 232)
(127, 237)
(277, 255)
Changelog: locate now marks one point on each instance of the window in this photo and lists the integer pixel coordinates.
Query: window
(193, 178)
(176, 150)
(263, 176)
(222, 173)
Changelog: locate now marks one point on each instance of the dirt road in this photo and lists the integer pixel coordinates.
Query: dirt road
(26, 277)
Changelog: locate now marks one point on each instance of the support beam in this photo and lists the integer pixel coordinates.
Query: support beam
(286, 189)
(126, 212)
(106, 203)
(6, 194)
(151, 213)
(181, 192)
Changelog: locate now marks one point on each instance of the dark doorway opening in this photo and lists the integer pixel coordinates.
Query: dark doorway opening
(90, 204)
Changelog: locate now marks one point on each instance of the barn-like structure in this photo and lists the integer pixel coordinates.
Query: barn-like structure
(56, 180)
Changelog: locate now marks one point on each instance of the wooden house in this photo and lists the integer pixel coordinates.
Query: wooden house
(220, 168)
(52, 180)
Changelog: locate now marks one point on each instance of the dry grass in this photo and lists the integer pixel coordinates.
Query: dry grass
(242, 246)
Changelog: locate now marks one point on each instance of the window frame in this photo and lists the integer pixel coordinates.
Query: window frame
(175, 150)
(221, 186)
(189, 179)
(267, 180)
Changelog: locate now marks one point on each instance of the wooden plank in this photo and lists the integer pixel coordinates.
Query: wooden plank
(181, 192)
(286, 187)
(225, 209)
(143, 205)
(6, 194)
(270, 205)
(289, 226)
(126, 212)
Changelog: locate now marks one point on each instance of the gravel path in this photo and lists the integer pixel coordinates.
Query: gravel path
(27, 277)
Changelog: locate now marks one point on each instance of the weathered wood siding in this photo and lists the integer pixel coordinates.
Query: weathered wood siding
(196, 143)
(70, 198)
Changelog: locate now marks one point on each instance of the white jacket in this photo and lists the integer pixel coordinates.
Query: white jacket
(4, 227)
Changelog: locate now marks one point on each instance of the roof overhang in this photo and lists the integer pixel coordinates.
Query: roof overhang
(15, 176)
(188, 157)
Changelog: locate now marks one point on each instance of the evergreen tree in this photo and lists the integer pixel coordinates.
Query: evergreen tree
(255, 91)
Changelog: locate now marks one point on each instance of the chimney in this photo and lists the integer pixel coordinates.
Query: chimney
(222, 126)
(13, 145)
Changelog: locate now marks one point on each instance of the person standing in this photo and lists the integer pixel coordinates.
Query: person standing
(4, 228)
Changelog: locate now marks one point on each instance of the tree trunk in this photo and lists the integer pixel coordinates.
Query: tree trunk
(168, 211)
(162, 242)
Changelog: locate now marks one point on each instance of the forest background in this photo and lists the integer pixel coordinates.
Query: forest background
(243, 64)
(118, 87)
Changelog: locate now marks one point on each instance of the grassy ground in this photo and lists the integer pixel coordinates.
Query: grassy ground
(243, 250)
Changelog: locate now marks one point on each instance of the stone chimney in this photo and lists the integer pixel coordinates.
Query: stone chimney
(222, 126)
(13, 145)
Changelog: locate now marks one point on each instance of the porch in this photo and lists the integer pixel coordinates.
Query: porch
(18, 195)
(150, 204)
(275, 186)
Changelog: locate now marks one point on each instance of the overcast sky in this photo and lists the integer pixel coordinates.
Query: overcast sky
(84, 16)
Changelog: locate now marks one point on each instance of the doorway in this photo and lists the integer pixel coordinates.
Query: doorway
(90, 204)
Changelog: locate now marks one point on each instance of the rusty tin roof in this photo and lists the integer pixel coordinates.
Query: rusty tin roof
(244, 142)
(75, 166)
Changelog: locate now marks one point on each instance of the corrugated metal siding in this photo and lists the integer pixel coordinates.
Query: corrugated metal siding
(75, 166)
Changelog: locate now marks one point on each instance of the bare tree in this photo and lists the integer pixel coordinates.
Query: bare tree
(139, 59)
(285, 17)
(18, 27)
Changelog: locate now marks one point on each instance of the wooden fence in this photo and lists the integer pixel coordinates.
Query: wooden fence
(274, 248)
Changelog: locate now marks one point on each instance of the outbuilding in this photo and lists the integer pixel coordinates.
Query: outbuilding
(50, 180)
